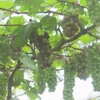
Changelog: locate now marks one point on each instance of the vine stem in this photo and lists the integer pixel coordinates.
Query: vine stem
(17, 12)
(9, 24)
(10, 81)
(82, 32)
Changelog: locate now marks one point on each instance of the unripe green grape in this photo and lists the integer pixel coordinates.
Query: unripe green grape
(90, 4)
(95, 1)
(68, 34)
(71, 22)
(68, 28)
(67, 18)
(45, 41)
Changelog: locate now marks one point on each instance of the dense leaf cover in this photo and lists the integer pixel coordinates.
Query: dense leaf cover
(37, 37)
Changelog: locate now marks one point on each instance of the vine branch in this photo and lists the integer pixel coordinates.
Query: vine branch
(10, 24)
(97, 37)
(17, 12)
(82, 32)
(13, 11)
(10, 81)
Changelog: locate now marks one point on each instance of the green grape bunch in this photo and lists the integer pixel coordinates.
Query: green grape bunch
(69, 82)
(94, 55)
(93, 7)
(41, 80)
(51, 79)
(82, 65)
(70, 23)
(4, 51)
(46, 76)
(3, 86)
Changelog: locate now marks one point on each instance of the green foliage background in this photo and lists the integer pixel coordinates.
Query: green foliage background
(22, 25)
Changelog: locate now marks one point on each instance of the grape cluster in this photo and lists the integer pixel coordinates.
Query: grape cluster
(96, 78)
(86, 63)
(89, 64)
(94, 58)
(43, 45)
(93, 7)
(41, 79)
(79, 64)
(3, 86)
(4, 50)
(51, 79)
(70, 23)
(46, 75)
(68, 82)
(82, 64)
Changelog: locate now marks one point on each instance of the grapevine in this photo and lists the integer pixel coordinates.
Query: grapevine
(41, 36)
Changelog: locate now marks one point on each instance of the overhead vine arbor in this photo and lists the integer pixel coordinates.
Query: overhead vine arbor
(40, 37)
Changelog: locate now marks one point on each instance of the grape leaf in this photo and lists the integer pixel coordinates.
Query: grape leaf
(27, 31)
(18, 41)
(6, 4)
(86, 39)
(28, 62)
(83, 2)
(32, 94)
(18, 77)
(48, 22)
